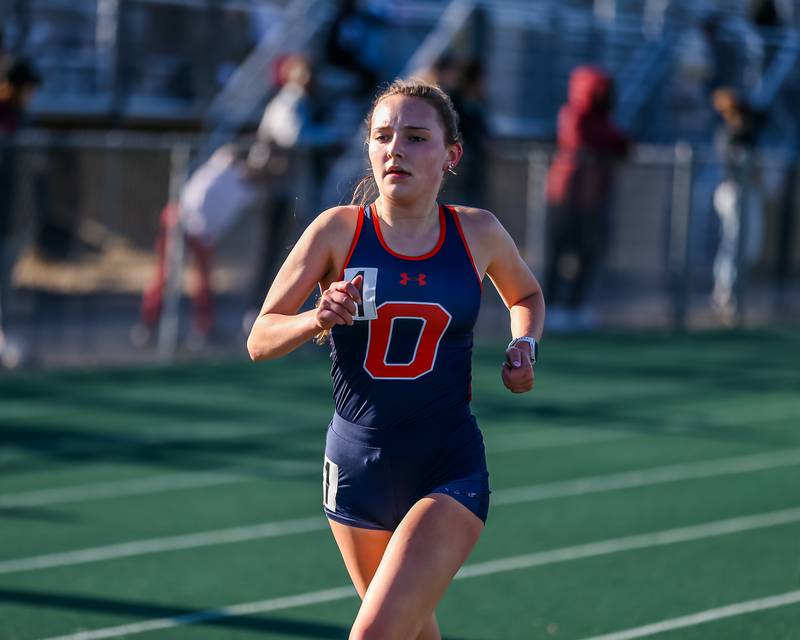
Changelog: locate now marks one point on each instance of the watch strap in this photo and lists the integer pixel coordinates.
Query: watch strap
(534, 344)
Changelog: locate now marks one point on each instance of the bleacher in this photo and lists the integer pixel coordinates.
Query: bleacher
(123, 62)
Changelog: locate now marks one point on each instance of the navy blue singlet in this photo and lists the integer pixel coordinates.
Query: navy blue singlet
(402, 381)
(414, 361)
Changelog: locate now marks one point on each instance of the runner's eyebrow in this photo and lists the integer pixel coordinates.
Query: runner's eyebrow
(410, 126)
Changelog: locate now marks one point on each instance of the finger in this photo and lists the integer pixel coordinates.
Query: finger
(517, 380)
(327, 319)
(337, 313)
(358, 283)
(341, 303)
(351, 287)
(524, 384)
(342, 310)
(513, 357)
(514, 377)
(345, 301)
(505, 374)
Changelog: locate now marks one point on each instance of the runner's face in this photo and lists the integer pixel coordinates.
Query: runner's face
(407, 150)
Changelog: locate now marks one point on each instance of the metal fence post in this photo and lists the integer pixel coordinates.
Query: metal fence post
(169, 324)
(536, 207)
(787, 221)
(744, 170)
(678, 258)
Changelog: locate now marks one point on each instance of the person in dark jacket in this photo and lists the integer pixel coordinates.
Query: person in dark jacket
(579, 186)
(16, 90)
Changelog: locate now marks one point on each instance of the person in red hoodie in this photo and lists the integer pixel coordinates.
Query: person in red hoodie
(579, 186)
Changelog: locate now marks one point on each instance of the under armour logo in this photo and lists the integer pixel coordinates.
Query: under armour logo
(420, 279)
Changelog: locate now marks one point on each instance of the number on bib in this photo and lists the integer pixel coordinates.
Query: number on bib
(330, 483)
(435, 321)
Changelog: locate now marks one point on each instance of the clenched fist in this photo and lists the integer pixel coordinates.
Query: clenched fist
(337, 305)
(517, 372)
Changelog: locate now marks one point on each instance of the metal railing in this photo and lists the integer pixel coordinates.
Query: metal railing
(105, 193)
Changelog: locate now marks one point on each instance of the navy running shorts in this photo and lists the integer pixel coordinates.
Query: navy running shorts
(373, 476)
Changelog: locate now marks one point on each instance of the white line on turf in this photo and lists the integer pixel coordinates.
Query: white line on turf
(751, 411)
(646, 477)
(175, 482)
(579, 486)
(594, 549)
(151, 484)
(629, 543)
(528, 441)
(158, 545)
(496, 443)
(115, 489)
(249, 608)
(702, 617)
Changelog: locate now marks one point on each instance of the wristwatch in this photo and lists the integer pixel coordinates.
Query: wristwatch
(532, 342)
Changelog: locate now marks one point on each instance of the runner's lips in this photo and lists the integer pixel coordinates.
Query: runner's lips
(396, 171)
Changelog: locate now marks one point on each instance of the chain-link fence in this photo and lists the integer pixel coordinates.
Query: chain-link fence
(662, 239)
(87, 208)
(86, 214)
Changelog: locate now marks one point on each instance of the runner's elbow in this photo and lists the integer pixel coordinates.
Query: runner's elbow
(258, 346)
(255, 350)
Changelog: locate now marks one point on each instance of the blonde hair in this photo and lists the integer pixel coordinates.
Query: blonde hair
(366, 190)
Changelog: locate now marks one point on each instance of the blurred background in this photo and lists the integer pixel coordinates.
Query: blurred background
(159, 157)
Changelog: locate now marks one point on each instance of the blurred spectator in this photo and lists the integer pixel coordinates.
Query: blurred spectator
(16, 90)
(294, 150)
(4, 54)
(693, 73)
(579, 188)
(211, 201)
(345, 47)
(463, 81)
(737, 52)
(446, 72)
(724, 49)
(295, 117)
(737, 199)
(53, 225)
(764, 13)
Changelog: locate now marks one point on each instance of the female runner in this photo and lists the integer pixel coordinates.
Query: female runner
(405, 486)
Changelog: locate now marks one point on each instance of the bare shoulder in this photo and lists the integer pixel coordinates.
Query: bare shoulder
(315, 258)
(340, 220)
(477, 220)
(483, 233)
(333, 231)
(481, 225)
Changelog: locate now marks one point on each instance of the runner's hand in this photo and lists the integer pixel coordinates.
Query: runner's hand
(337, 305)
(517, 372)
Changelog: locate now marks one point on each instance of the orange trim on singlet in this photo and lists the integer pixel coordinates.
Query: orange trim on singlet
(454, 213)
(353, 244)
(430, 254)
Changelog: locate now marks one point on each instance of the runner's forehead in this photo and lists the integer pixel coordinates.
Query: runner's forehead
(403, 112)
